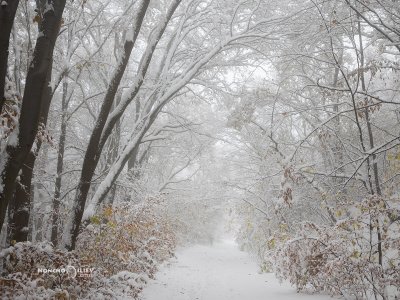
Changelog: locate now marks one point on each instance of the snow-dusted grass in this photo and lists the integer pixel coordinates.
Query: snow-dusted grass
(218, 272)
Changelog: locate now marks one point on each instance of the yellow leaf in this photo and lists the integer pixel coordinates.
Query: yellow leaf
(108, 212)
(37, 19)
(271, 243)
(95, 220)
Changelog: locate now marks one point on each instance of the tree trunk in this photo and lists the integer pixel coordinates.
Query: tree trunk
(93, 152)
(60, 166)
(20, 209)
(132, 159)
(147, 121)
(112, 154)
(371, 143)
(131, 148)
(32, 102)
(7, 15)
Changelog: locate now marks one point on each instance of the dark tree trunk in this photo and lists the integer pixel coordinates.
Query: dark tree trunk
(141, 131)
(93, 152)
(132, 159)
(112, 153)
(101, 133)
(33, 100)
(60, 166)
(7, 15)
(20, 209)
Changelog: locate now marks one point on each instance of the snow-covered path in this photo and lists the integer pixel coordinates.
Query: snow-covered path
(218, 272)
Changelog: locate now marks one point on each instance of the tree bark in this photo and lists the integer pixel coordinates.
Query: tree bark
(7, 16)
(130, 150)
(93, 152)
(32, 101)
(60, 167)
(371, 142)
(148, 119)
(112, 154)
(132, 159)
(20, 208)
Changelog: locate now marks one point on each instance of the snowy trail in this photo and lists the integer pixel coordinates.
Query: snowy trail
(218, 272)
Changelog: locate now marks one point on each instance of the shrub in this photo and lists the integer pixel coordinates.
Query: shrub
(126, 237)
(22, 279)
(124, 246)
(357, 258)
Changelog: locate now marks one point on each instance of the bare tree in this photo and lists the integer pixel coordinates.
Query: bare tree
(92, 153)
(33, 101)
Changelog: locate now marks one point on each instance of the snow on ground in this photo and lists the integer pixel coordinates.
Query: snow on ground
(218, 272)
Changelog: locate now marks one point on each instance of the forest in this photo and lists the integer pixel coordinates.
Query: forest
(133, 129)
